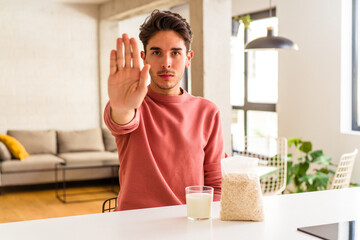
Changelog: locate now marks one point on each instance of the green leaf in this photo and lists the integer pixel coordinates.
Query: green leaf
(306, 147)
(332, 164)
(322, 175)
(289, 174)
(301, 168)
(323, 170)
(321, 180)
(354, 184)
(300, 190)
(314, 182)
(288, 181)
(316, 154)
(293, 141)
(296, 168)
(322, 160)
(296, 180)
(308, 178)
(246, 20)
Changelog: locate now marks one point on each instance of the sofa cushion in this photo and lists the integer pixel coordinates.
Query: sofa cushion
(80, 140)
(36, 141)
(89, 157)
(14, 146)
(109, 140)
(4, 152)
(32, 163)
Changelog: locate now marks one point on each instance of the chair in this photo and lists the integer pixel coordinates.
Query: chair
(274, 152)
(109, 204)
(344, 169)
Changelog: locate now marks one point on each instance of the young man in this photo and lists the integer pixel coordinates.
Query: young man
(166, 138)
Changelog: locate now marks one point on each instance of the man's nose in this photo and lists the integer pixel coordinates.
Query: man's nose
(166, 63)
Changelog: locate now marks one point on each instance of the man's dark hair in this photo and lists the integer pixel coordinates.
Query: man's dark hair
(165, 21)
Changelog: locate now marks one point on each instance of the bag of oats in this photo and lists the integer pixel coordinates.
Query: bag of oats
(241, 197)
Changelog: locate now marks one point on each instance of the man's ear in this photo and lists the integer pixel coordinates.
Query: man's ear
(143, 55)
(189, 56)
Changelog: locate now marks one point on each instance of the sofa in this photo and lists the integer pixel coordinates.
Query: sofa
(47, 148)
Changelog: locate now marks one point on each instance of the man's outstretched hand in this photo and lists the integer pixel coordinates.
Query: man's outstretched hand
(127, 82)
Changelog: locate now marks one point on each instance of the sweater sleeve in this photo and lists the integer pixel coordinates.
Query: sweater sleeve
(214, 152)
(117, 129)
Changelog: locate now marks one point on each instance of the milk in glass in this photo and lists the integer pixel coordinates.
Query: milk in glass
(199, 205)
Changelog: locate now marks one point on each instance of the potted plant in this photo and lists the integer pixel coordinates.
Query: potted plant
(246, 20)
(308, 170)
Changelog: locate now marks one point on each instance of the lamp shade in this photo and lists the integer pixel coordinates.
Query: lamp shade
(271, 42)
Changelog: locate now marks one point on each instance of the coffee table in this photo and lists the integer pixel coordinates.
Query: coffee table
(64, 167)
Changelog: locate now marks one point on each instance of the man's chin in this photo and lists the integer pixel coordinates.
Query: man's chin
(166, 85)
(167, 89)
(162, 87)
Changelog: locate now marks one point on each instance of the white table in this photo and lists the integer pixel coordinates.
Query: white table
(283, 215)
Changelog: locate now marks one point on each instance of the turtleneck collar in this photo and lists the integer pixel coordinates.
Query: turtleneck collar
(167, 98)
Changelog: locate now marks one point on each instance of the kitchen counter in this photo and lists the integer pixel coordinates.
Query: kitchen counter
(283, 215)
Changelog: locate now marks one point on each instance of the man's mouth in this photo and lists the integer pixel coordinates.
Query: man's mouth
(166, 76)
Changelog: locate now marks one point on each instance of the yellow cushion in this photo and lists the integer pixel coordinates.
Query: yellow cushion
(14, 146)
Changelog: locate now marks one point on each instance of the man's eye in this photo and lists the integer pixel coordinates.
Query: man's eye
(156, 53)
(176, 53)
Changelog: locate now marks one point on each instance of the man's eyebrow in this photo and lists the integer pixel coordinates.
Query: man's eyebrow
(173, 49)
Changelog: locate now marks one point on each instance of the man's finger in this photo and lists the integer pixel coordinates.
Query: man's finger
(113, 66)
(144, 74)
(119, 53)
(127, 50)
(135, 51)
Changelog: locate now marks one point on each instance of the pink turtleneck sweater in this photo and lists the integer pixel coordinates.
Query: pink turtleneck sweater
(172, 142)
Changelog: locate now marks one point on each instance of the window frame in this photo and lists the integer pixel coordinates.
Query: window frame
(250, 106)
(354, 68)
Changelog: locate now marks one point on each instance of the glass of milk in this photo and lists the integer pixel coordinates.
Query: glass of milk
(198, 202)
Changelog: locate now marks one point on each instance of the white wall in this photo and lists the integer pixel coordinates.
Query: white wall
(49, 65)
(108, 32)
(312, 81)
(211, 25)
(240, 7)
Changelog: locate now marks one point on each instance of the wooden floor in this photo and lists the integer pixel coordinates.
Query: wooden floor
(39, 202)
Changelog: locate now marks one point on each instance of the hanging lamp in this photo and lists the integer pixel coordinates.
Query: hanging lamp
(271, 41)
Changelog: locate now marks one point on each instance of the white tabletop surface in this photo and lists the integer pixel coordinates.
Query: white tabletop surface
(283, 215)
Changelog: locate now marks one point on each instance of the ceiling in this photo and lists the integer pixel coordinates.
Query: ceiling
(60, 1)
(67, 1)
(82, 1)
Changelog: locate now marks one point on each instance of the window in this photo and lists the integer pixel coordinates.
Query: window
(355, 66)
(254, 83)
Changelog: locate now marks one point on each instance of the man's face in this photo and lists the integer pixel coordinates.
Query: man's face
(166, 54)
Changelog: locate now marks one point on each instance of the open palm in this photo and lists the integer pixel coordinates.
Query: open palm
(127, 82)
